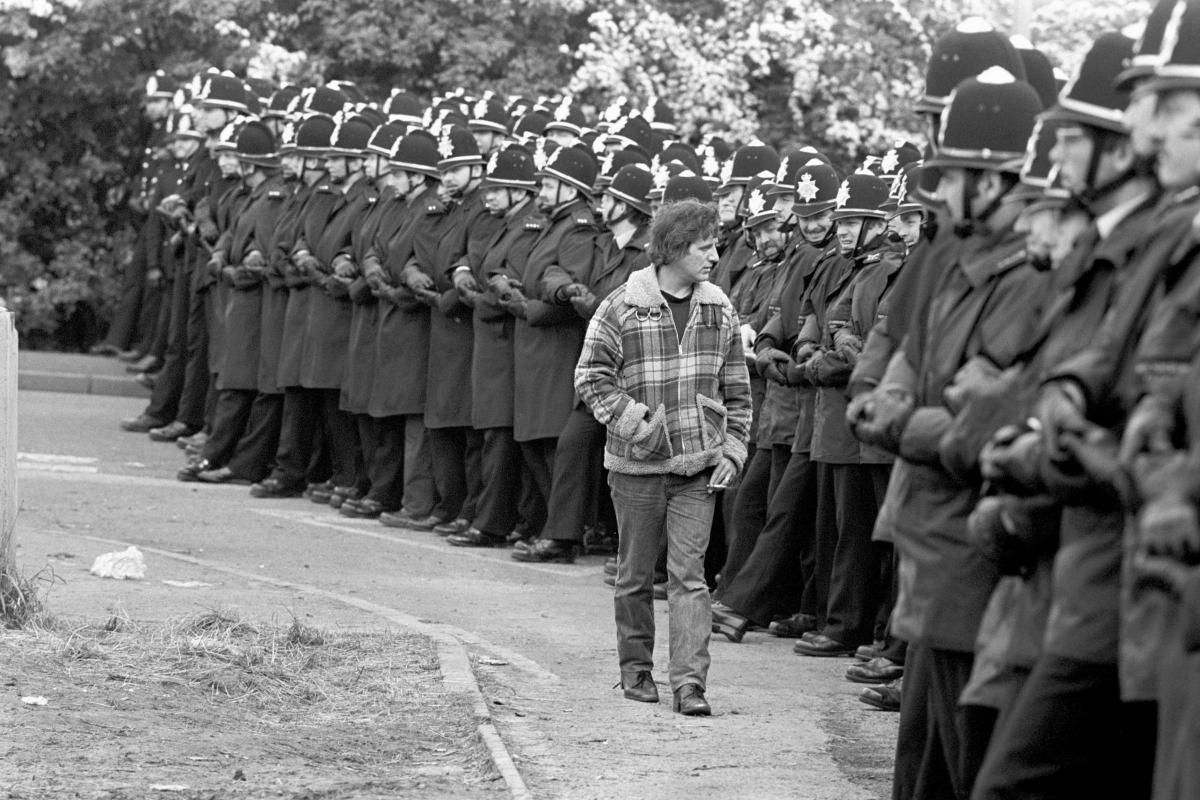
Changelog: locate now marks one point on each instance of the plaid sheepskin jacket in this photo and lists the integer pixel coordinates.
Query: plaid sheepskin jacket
(670, 406)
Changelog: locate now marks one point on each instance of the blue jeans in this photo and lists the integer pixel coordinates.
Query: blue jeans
(651, 510)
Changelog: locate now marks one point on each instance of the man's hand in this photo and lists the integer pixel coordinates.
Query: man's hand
(336, 286)
(1060, 410)
(344, 267)
(722, 476)
(571, 290)
(771, 362)
(416, 280)
(584, 304)
(1011, 459)
(254, 260)
(1148, 430)
(215, 264)
(306, 264)
(1169, 527)
(884, 418)
(154, 277)
(465, 283)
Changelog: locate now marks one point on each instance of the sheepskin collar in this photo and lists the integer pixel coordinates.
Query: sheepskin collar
(642, 290)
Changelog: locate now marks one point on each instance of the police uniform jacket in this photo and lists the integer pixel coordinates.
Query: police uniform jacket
(548, 341)
(984, 306)
(402, 340)
(492, 370)
(364, 311)
(276, 244)
(310, 222)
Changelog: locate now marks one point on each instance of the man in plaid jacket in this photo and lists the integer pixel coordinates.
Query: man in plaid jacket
(662, 368)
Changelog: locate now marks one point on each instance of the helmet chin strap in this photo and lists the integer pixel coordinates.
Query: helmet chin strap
(972, 222)
(1091, 193)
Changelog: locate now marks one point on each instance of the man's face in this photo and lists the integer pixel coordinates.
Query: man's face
(1178, 136)
(456, 179)
(183, 147)
(227, 162)
(486, 141)
(314, 165)
(816, 227)
(338, 168)
(1072, 152)
(396, 180)
(698, 262)
(562, 138)
(907, 226)
(551, 194)
(157, 108)
(1140, 120)
(496, 199)
(769, 239)
(951, 183)
(727, 205)
(211, 120)
(848, 230)
(291, 165)
(377, 166)
(783, 207)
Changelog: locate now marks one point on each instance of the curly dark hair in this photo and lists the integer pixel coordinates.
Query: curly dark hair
(677, 226)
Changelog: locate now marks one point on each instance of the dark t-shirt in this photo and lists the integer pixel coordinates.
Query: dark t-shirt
(680, 306)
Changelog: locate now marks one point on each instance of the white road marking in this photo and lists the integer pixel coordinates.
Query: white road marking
(55, 458)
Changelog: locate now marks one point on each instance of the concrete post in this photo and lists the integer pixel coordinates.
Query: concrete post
(8, 445)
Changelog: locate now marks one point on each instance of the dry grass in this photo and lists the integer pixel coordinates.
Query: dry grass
(300, 705)
(22, 597)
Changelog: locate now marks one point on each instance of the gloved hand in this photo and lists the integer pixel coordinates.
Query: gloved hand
(1060, 411)
(884, 418)
(972, 378)
(988, 530)
(514, 302)
(1168, 526)
(770, 363)
(1149, 429)
(216, 263)
(208, 229)
(802, 351)
(856, 408)
(245, 277)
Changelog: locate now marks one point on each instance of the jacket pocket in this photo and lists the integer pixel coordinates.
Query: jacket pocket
(712, 422)
(653, 442)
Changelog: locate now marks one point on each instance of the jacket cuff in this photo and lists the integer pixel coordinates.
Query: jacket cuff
(735, 451)
(626, 424)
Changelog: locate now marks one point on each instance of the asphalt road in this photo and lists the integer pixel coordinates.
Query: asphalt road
(542, 636)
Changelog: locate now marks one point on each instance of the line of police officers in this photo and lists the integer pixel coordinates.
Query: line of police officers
(974, 373)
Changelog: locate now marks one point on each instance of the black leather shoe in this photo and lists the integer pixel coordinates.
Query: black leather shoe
(341, 494)
(104, 349)
(147, 363)
(191, 472)
(171, 432)
(867, 652)
(361, 509)
(145, 380)
(885, 698)
(877, 670)
(610, 566)
(142, 423)
(822, 646)
(195, 440)
(220, 475)
(473, 537)
(546, 551)
(452, 527)
(424, 523)
(729, 623)
(402, 519)
(129, 356)
(274, 488)
(640, 687)
(689, 701)
(794, 626)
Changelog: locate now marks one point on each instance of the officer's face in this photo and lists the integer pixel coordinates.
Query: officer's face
(769, 239)
(1140, 120)
(291, 165)
(211, 120)
(848, 229)
(562, 138)
(157, 108)
(227, 162)
(1178, 124)
(552, 193)
(697, 263)
(727, 206)
(815, 228)
(1072, 152)
(1039, 226)
(183, 147)
(907, 226)
(456, 179)
(338, 168)
(377, 167)
(314, 165)
(951, 183)
(783, 207)
(496, 200)
(486, 141)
